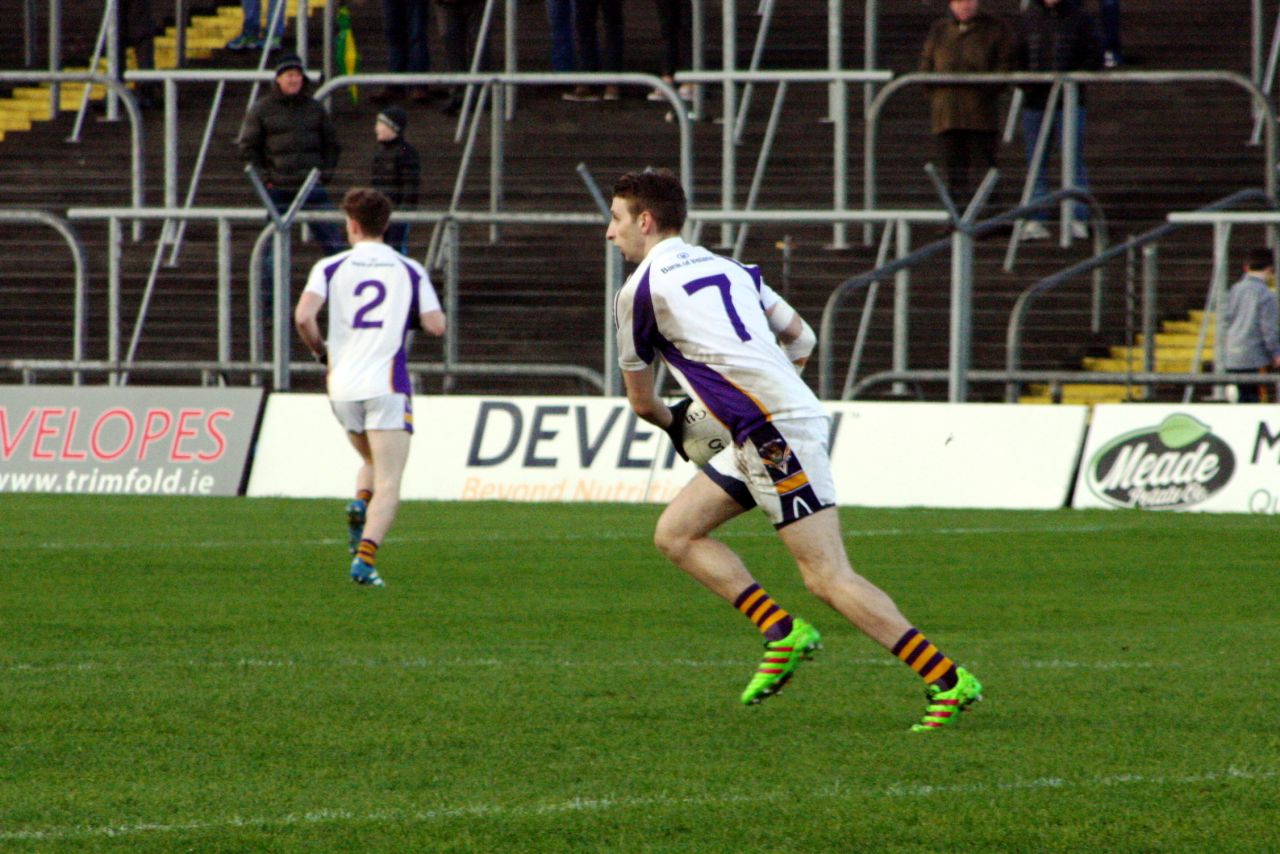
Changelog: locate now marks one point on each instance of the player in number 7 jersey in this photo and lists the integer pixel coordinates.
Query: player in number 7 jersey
(375, 295)
(734, 344)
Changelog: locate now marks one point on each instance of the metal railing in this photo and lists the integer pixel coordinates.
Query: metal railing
(80, 297)
(136, 170)
(1017, 317)
(965, 230)
(874, 112)
(1216, 295)
(279, 367)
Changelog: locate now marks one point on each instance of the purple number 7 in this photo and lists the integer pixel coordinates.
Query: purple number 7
(721, 282)
(378, 297)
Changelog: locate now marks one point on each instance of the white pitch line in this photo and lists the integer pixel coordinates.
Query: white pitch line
(523, 664)
(639, 533)
(834, 790)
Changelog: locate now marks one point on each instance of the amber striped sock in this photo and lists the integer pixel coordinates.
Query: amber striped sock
(367, 551)
(926, 659)
(365, 495)
(773, 622)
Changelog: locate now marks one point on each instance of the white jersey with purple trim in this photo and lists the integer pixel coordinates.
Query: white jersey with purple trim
(375, 295)
(705, 315)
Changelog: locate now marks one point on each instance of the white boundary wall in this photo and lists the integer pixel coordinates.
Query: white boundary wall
(594, 449)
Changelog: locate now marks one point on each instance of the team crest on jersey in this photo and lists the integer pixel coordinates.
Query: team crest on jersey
(776, 454)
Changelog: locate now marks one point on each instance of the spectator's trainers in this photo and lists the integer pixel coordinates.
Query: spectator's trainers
(1034, 230)
(946, 706)
(355, 524)
(781, 658)
(362, 573)
(243, 42)
(581, 93)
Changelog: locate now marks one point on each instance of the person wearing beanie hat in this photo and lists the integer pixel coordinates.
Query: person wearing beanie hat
(396, 171)
(289, 60)
(285, 135)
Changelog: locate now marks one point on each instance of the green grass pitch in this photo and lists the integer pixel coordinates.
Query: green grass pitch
(199, 675)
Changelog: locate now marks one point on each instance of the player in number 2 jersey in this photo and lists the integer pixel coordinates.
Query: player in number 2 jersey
(374, 295)
(736, 345)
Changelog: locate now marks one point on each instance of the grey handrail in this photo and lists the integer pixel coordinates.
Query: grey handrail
(81, 299)
(559, 78)
(1092, 77)
(826, 334)
(1013, 334)
(120, 90)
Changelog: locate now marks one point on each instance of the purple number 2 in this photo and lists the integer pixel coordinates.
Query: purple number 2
(721, 282)
(380, 294)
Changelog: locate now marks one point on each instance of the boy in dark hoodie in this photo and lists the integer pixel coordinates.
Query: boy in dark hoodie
(396, 172)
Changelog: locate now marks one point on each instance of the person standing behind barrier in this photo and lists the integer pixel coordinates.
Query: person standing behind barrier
(1109, 12)
(396, 172)
(964, 117)
(584, 24)
(1252, 322)
(461, 36)
(136, 28)
(560, 25)
(1056, 35)
(407, 27)
(285, 135)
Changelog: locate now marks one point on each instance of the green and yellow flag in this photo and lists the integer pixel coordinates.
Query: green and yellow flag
(345, 50)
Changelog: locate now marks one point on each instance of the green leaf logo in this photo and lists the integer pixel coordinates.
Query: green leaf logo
(1178, 430)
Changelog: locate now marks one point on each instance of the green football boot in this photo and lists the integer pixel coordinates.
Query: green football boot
(946, 706)
(781, 658)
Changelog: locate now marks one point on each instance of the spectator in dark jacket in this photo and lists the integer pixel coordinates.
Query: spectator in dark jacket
(285, 136)
(965, 118)
(396, 173)
(1056, 35)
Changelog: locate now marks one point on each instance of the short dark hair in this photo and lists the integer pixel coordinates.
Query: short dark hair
(657, 191)
(370, 209)
(1259, 259)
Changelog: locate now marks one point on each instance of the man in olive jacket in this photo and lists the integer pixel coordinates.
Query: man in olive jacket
(287, 134)
(965, 117)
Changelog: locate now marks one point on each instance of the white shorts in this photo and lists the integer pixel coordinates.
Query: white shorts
(783, 468)
(386, 412)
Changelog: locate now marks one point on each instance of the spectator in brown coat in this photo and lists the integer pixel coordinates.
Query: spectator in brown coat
(965, 117)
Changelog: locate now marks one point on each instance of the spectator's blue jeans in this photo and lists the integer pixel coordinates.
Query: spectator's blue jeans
(407, 26)
(330, 236)
(397, 237)
(560, 18)
(1032, 120)
(253, 22)
(585, 13)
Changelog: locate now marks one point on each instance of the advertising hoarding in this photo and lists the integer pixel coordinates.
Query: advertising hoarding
(125, 440)
(594, 449)
(1198, 457)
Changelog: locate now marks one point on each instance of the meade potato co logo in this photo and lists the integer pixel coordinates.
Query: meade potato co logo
(1178, 464)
